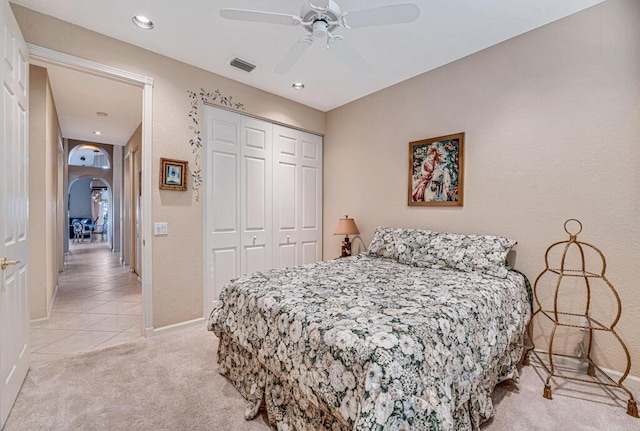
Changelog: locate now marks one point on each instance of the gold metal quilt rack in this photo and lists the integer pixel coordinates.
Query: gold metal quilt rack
(569, 320)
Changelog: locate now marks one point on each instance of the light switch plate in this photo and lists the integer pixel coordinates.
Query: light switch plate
(161, 228)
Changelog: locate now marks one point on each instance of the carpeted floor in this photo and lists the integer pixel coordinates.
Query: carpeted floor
(170, 382)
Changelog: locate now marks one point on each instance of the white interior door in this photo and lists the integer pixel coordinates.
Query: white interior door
(14, 290)
(222, 224)
(311, 198)
(255, 194)
(297, 198)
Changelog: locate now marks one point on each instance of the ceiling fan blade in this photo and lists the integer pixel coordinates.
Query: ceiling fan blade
(348, 55)
(395, 14)
(319, 5)
(258, 16)
(293, 55)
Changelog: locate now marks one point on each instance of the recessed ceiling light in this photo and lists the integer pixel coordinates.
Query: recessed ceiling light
(97, 132)
(298, 85)
(142, 22)
(101, 114)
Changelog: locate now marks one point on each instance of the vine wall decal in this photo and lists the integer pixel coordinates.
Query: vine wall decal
(196, 140)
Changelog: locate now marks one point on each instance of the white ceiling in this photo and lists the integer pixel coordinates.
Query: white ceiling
(79, 96)
(192, 31)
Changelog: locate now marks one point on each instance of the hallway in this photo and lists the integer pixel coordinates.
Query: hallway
(99, 304)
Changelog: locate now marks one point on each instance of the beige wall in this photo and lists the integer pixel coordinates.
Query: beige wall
(552, 123)
(45, 246)
(177, 258)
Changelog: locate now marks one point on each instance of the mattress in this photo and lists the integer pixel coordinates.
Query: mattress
(366, 343)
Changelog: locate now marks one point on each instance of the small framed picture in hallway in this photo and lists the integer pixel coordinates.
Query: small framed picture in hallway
(173, 174)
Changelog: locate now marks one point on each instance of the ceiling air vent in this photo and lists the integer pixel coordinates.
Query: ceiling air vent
(241, 64)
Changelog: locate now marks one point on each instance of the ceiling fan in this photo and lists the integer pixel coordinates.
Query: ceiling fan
(320, 18)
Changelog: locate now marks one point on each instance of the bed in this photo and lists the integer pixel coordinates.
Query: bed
(414, 334)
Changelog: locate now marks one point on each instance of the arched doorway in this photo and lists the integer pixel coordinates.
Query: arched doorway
(91, 205)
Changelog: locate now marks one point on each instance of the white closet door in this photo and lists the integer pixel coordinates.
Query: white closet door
(223, 226)
(311, 198)
(297, 197)
(256, 186)
(286, 192)
(263, 198)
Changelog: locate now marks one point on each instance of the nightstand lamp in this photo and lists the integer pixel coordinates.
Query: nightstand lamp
(346, 226)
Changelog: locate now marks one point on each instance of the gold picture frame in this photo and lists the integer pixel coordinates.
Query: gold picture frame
(173, 174)
(436, 171)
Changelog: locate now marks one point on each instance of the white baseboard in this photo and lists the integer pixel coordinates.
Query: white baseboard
(49, 309)
(150, 332)
(53, 299)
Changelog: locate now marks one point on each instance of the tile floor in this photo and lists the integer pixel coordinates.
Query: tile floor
(99, 304)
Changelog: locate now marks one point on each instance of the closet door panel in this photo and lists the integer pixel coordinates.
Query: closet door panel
(286, 197)
(224, 187)
(223, 264)
(286, 220)
(255, 258)
(256, 194)
(310, 252)
(222, 159)
(285, 235)
(255, 211)
(311, 198)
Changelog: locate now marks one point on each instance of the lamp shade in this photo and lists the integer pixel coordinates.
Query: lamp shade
(346, 226)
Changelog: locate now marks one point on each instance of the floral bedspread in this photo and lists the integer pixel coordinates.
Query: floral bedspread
(367, 343)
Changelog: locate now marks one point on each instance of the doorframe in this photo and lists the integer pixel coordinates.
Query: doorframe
(49, 56)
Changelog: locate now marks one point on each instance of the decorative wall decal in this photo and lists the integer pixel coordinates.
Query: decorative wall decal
(195, 142)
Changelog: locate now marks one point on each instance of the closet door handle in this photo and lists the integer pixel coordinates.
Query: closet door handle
(4, 263)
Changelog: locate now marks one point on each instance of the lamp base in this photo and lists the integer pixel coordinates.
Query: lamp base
(346, 247)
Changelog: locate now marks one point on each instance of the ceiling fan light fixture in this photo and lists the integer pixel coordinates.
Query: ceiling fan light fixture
(298, 85)
(320, 29)
(142, 22)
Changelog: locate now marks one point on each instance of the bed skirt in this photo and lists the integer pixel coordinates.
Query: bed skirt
(290, 407)
(287, 407)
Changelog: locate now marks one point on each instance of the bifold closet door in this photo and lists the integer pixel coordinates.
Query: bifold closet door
(222, 198)
(297, 197)
(238, 189)
(263, 198)
(256, 194)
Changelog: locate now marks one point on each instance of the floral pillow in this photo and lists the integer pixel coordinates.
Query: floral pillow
(484, 253)
(397, 243)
